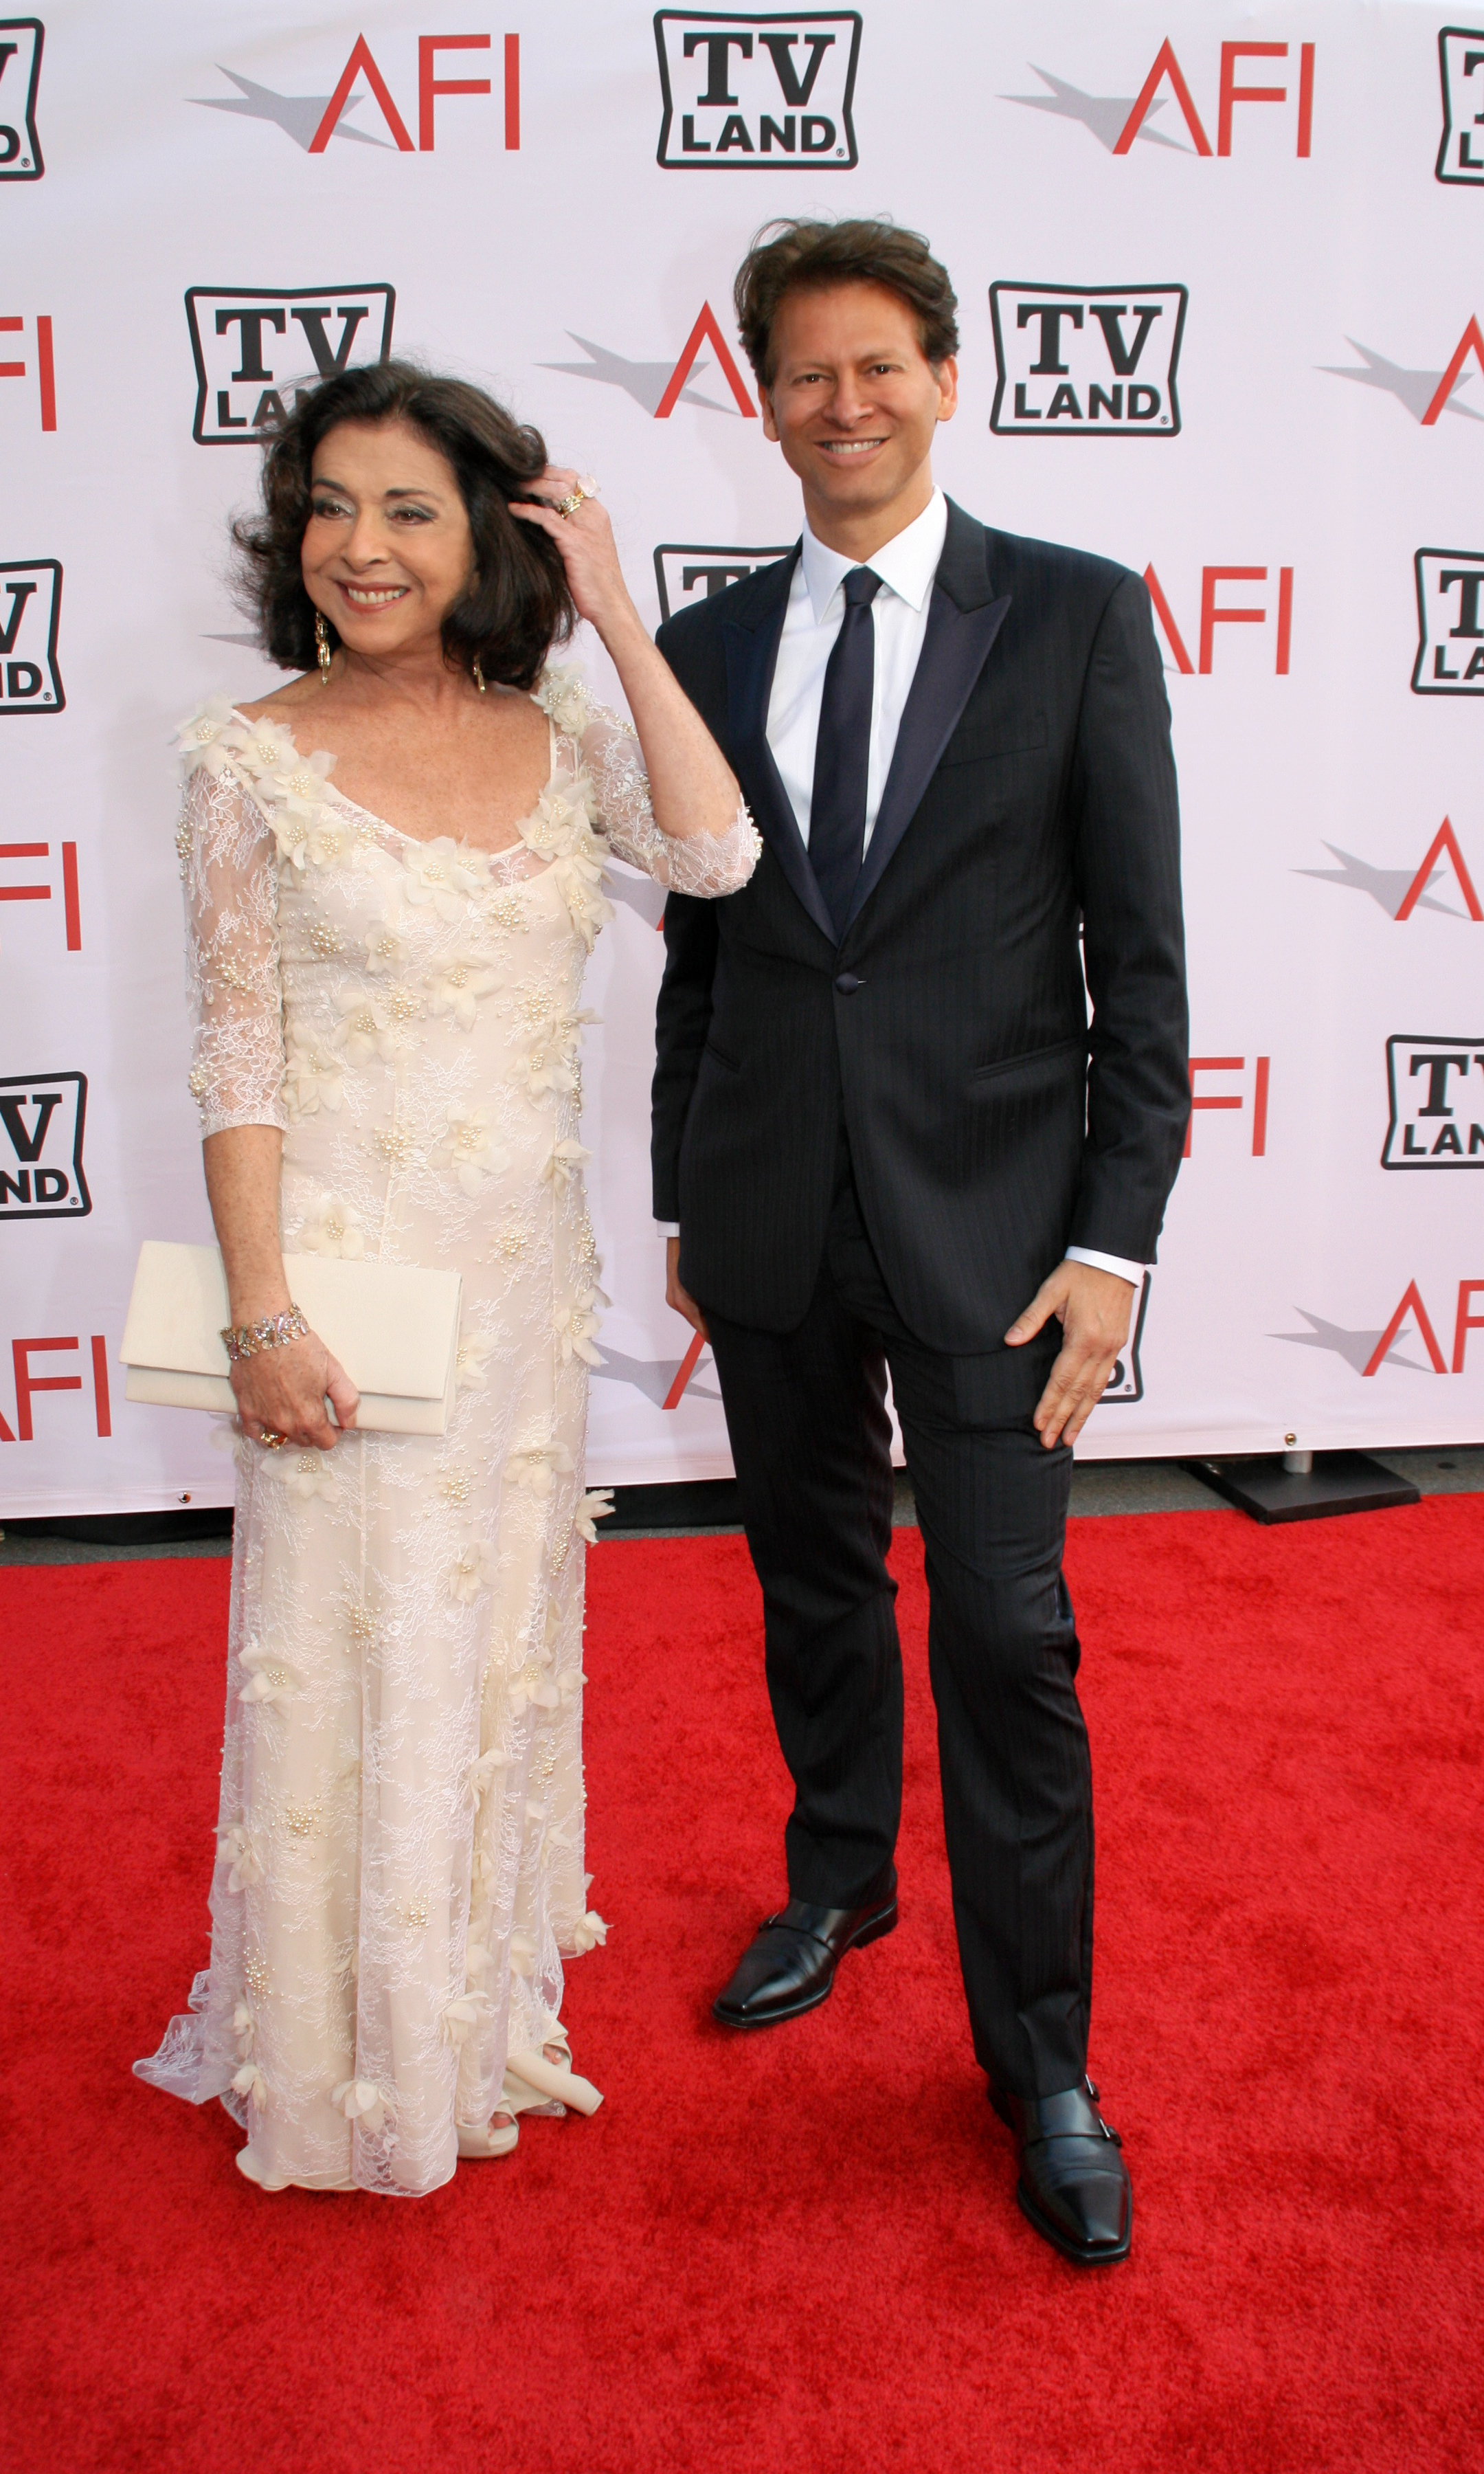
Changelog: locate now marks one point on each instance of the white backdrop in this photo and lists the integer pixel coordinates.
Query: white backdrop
(1316, 255)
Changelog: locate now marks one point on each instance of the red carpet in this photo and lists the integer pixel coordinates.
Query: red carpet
(801, 2251)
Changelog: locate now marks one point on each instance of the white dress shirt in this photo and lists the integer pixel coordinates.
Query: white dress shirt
(906, 566)
(816, 606)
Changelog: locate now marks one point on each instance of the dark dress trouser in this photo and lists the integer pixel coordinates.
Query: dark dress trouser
(810, 1437)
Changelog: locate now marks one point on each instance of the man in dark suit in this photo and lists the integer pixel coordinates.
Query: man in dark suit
(885, 1136)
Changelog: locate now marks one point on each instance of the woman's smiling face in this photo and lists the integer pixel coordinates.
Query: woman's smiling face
(387, 550)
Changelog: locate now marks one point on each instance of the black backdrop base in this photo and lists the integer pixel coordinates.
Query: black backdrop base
(1338, 1482)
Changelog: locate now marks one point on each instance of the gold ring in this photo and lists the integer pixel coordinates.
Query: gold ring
(271, 1442)
(569, 505)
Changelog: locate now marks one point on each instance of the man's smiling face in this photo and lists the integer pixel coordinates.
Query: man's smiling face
(854, 403)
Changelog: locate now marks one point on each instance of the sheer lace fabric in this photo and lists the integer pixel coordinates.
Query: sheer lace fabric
(399, 1847)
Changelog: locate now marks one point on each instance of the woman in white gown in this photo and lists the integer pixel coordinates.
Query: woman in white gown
(393, 872)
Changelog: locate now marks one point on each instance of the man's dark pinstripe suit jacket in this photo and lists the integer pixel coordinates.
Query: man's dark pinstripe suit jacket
(1031, 795)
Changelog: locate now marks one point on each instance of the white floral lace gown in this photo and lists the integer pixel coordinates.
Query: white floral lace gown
(401, 1844)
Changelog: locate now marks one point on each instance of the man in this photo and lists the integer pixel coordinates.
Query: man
(884, 1136)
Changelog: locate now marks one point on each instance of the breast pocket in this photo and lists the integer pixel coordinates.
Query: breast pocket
(981, 743)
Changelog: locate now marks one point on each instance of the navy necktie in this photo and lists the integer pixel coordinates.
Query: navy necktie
(842, 751)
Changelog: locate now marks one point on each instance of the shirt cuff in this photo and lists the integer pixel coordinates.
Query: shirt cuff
(1133, 1273)
(667, 1227)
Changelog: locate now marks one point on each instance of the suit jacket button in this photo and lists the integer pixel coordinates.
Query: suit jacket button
(848, 983)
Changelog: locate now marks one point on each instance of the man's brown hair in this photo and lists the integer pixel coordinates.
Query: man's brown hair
(797, 255)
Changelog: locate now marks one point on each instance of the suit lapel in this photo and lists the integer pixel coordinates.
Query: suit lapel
(750, 639)
(963, 622)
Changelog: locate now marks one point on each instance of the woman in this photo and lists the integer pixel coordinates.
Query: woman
(385, 969)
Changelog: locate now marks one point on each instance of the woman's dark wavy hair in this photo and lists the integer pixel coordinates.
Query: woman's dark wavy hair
(518, 604)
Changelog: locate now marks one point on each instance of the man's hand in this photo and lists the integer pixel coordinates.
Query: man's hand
(677, 1296)
(1094, 1308)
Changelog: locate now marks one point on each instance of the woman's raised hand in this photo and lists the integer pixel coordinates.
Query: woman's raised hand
(588, 550)
(280, 1395)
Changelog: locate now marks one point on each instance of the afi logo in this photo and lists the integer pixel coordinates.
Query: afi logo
(20, 74)
(1412, 1311)
(28, 1384)
(1401, 891)
(1411, 1326)
(1126, 1382)
(653, 384)
(243, 369)
(756, 94)
(1449, 629)
(1437, 1103)
(690, 571)
(1426, 394)
(41, 1147)
(1116, 121)
(1461, 62)
(312, 120)
(1218, 613)
(1086, 363)
(30, 606)
(13, 853)
(44, 366)
(1256, 1100)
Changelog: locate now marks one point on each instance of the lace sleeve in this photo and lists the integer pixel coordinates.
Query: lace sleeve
(228, 865)
(699, 863)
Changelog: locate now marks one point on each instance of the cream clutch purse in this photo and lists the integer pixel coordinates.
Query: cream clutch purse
(394, 1327)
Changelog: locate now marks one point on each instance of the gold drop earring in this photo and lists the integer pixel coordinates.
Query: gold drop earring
(479, 676)
(322, 646)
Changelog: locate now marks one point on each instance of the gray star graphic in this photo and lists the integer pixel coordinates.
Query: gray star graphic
(1387, 886)
(1105, 114)
(297, 115)
(1413, 388)
(644, 380)
(1355, 1346)
(651, 1375)
(638, 893)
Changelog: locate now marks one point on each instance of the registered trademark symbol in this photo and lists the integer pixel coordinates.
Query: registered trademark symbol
(25, 162)
(47, 698)
(838, 150)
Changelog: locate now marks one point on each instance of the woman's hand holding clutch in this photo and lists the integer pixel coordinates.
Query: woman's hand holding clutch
(280, 1395)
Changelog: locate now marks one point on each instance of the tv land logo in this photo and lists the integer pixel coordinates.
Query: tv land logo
(1216, 612)
(1400, 891)
(1436, 1089)
(1126, 1382)
(687, 572)
(756, 94)
(1079, 361)
(1450, 627)
(312, 120)
(1461, 65)
(30, 611)
(658, 386)
(1117, 120)
(41, 1147)
(20, 74)
(254, 349)
(1426, 394)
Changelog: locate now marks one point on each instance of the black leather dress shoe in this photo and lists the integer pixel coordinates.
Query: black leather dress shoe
(791, 1965)
(1074, 2186)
